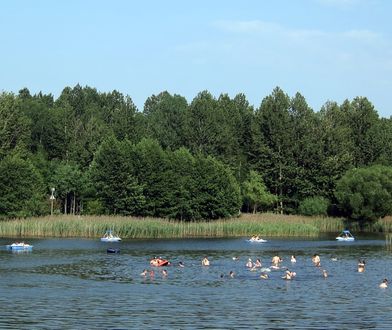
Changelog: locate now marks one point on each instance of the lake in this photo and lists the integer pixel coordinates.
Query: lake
(74, 284)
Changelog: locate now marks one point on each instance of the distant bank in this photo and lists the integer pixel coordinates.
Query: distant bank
(266, 224)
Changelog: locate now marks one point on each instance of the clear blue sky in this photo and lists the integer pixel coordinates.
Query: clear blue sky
(324, 49)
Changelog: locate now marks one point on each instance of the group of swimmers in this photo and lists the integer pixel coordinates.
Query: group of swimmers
(253, 266)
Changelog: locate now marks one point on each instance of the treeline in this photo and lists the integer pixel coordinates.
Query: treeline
(208, 159)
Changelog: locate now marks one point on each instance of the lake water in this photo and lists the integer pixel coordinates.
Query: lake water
(75, 284)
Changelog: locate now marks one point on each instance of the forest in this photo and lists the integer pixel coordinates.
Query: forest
(208, 159)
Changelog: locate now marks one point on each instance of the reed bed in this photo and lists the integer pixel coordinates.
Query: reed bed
(130, 227)
(265, 225)
(388, 242)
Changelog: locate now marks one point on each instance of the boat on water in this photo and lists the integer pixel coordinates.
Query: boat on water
(345, 236)
(19, 246)
(109, 236)
(256, 239)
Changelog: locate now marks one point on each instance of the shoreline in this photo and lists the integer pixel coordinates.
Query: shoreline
(264, 224)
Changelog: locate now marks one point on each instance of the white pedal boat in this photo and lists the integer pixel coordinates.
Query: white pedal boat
(110, 237)
(345, 236)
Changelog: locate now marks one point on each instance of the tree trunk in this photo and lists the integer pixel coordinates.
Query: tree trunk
(74, 203)
(65, 204)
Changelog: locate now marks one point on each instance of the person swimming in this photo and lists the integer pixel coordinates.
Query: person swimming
(257, 264)
(264, 276)
(144, 272)
(361, 266)
(293, 259)
(384, 284)
(181, 264)
(276, 260)
(316, 260)
(231, 274)
(289, 275)
(325, 273)
(205, 262)
(249, 263)
(164, 273)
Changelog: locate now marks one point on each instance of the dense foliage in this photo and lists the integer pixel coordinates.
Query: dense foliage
(207, 159)
(366, 193)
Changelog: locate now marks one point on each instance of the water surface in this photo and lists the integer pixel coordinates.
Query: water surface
(74, 283)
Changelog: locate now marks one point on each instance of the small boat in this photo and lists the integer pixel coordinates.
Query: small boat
(19, 246)
(256, 239)
(345, 236)
(111, 250)
(159, 262)
(110, 237)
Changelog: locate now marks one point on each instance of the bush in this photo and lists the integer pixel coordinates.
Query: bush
(314, 206)
(365, 194)
(94, 207)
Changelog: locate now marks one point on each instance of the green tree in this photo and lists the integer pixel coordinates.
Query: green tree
(14, 126)
(306, 151)
(114, 179)
(37, 110)
(21, 188)
(151, 168)
(120, 114)
(337, 152)
(217, 193)
(362, 120)
(365, 194)
(181, 185)
(314, 206)
(69, 182)
(255, 193)
(273, 119)
(202, 125)
(165, 116)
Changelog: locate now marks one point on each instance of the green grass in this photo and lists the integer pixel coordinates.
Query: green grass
(268, 225)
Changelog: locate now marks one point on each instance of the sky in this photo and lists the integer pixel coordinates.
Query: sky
(328, 50)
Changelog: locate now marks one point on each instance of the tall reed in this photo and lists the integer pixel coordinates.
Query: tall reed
(268, 225)
(131, 227)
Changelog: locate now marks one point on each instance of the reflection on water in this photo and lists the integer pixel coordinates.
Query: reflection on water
(76, 284)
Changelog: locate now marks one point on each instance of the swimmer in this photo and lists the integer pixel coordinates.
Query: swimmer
(325, 273)
(257, 263)
(361, 266)
(180, 264)
(205, 262)
(231, 274)
(293, 259)
(334, 259)
(316, 260)
(384, 284)
(152, 273)
(236, 258)
(289, 275)
(276, 260)
(264, 276)
(164, 273)
(144, 272)
(249, 264)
